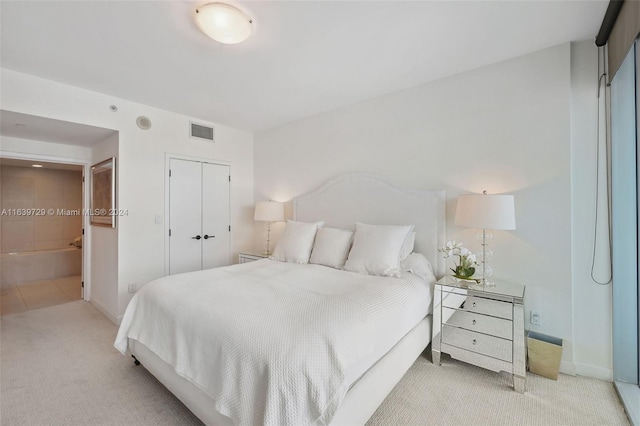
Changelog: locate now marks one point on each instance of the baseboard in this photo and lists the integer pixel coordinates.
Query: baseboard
(99, 306)
(567, 367)
(586, 370)
(600, 373)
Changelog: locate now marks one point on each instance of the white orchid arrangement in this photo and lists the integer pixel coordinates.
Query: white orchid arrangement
(468, 261)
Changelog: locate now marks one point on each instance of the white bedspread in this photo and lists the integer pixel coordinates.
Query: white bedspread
(269, 342)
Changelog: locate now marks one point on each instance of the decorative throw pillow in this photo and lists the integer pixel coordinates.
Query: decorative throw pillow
(407, 246)
(296, 242)
(331, 247)
(418, 265)
(376, 249)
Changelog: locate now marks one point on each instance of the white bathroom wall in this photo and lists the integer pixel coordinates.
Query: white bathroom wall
(41, 189)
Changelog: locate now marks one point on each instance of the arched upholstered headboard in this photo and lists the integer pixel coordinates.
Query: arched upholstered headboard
(362, 197)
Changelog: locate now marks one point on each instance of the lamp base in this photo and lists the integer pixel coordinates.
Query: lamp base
(267, 251)
(487, 283)
(485, 255)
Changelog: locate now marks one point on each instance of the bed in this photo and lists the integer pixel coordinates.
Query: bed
(363, 368)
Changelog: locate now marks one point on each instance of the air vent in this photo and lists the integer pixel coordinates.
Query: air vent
(201, 132)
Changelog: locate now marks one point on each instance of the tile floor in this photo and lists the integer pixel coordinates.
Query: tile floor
(40, 294)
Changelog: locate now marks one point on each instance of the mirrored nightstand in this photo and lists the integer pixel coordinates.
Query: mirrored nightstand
(251, 256)
(483, 326)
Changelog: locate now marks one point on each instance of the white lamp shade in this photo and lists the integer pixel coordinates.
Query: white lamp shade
(223, 23)
(486, 211)
(269, 211)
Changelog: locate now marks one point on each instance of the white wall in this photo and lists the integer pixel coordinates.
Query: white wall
(505, 128)
(43, 148)
(141, 156)
(104, 244)
(591, 302)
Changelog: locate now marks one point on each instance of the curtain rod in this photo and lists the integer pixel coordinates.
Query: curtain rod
(608, 21)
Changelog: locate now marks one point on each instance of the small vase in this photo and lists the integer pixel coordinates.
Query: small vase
(468, 280)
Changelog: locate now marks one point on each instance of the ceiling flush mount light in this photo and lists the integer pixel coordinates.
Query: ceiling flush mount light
(224, 23)
(36, 165)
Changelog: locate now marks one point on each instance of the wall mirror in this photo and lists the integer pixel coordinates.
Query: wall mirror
(103, 193)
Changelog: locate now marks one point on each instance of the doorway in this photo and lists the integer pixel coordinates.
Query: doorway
(42, 234)
(42, 139)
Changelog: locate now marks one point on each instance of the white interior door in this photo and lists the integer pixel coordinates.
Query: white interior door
(215, 215)
(185, 216)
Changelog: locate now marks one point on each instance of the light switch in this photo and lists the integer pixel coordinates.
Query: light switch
(158, 219)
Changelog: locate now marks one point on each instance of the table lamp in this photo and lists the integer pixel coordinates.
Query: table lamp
(269, 211)
(486, 212)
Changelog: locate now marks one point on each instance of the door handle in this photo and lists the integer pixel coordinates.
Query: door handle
(206, 237)
(197, 237)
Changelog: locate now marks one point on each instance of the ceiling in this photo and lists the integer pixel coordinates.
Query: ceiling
(25, 126)
(304, 58)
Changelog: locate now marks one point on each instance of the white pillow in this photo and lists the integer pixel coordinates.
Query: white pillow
(418, 265)
(296, 242)
(331, 247)
(376, 249)
(407, 246)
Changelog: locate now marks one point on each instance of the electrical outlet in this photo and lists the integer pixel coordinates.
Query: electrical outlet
(536, 318)
(133, 288)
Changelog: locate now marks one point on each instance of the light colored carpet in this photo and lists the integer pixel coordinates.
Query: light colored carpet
(58, 367)
(460, 394)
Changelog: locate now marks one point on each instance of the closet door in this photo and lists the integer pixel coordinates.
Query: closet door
(199, 220)
(185, 216)
(215, 215)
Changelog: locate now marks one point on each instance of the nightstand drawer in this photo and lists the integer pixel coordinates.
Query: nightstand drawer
(480, 360)
(489, 307)
(451, 299)
(477, 342)
(481, 323)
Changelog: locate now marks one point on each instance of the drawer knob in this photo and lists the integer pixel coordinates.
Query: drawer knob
(473, 322)
(474, 304)
(474, 341)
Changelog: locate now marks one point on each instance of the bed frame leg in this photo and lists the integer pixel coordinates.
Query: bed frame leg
(136, 362)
